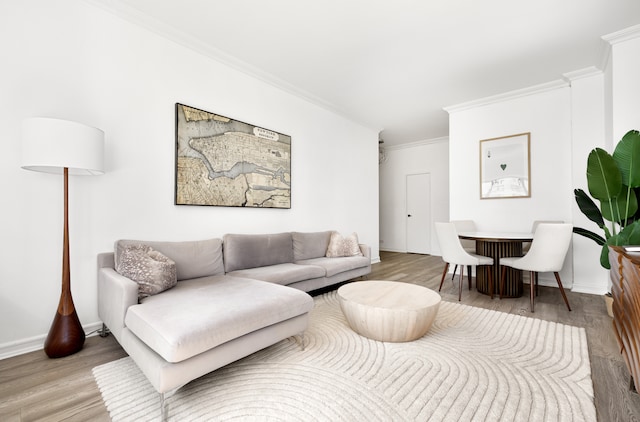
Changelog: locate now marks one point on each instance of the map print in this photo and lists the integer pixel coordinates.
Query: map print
(224, 162)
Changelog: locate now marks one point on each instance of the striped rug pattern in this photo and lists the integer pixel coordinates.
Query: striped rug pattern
(473, 365)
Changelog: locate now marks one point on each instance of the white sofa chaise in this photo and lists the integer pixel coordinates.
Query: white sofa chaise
(213, 317)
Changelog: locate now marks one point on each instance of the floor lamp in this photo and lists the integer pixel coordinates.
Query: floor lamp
(63, 147)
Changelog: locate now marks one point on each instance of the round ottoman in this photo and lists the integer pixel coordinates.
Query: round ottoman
(388, 310)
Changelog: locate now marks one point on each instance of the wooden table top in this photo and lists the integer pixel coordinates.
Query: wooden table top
(497, 236)
(389, 295)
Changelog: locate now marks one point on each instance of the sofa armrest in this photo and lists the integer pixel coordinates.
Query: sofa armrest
(366, 250)
(115, 294)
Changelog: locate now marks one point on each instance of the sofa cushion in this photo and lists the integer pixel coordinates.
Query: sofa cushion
(153, 271)
(334, 266)
(281, 273)
(198, 258)
(198, 315)
(310, 245)
(243, 251)
(340, 246)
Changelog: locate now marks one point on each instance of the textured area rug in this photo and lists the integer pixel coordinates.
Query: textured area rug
(473, 365)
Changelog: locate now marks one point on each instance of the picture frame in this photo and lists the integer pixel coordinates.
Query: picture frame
(221, 161)
(505, 167)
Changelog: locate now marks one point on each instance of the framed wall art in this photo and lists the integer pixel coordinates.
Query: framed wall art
(505, 167)
(224, 162)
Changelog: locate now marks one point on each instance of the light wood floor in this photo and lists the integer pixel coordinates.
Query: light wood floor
(35, 388)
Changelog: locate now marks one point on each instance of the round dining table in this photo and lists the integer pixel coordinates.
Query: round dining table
(498, 245)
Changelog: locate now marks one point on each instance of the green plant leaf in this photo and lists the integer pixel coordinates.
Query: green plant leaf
(615, 240)
(603, 176)
(604, 257)
(588, 207)
(627, 158)
(622, 206)
(590, 235)
(630, 235)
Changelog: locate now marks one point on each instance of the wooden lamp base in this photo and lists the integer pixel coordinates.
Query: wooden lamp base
(66, 335)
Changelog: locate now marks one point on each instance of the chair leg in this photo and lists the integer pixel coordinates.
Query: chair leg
(564, 296)
(444, 273)
(489, 270)
(537, 289)
(469, 275)
(502, 275)
(454, 272)
(460, 279)
(532, 288)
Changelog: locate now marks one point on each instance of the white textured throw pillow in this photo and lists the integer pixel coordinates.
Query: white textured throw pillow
(153, 271)
(343, 246)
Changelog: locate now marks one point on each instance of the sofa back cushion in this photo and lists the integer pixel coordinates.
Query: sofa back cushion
(197, 258)
(310, 245)
(243, 251)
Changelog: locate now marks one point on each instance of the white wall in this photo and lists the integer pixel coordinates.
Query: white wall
(71, 60)
(625, 55)
(588, 129)
(423, 157)
(545, 112)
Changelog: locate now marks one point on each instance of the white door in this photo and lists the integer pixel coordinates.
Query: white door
(419, 213)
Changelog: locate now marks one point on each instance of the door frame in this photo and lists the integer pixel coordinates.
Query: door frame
(406, 213)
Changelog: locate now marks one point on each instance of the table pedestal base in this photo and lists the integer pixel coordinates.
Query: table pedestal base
(513, 278)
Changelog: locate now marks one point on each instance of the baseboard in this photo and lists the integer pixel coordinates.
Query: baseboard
(393, 250)
(592, 290)
(32, 344)
(548, 280)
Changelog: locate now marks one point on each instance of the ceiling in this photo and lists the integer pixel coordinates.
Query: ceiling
(393, 65)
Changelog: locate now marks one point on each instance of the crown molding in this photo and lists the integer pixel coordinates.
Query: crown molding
(440, 140)
(622, 35)
(138, 18)
(511, 95)
(615, 38)
(587, 72)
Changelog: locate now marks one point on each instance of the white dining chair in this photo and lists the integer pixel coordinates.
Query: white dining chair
(467, 245)
(548, 250)
(453, 253)
(534, 226)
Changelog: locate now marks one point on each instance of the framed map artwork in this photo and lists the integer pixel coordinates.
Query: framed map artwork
(225, 162)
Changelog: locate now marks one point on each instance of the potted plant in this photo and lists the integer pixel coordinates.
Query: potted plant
(614, 181)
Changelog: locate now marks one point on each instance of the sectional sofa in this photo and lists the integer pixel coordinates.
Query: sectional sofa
(230, 297)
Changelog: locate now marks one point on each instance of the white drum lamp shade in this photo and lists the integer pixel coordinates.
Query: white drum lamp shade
(50, 145)
(63, 147)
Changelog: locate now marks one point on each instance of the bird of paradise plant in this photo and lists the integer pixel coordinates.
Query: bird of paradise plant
(614, 181)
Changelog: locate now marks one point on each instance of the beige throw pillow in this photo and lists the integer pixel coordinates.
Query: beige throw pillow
(153, 271)
(343, 246)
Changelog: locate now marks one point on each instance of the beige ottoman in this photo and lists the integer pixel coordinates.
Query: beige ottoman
(388, 310)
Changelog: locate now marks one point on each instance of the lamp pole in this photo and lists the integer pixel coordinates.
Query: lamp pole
(66, 335)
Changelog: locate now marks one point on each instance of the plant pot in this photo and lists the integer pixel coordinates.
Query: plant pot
(608, 300)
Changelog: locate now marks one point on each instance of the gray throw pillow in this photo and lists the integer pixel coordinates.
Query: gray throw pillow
(343, 246)
(153, 271)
